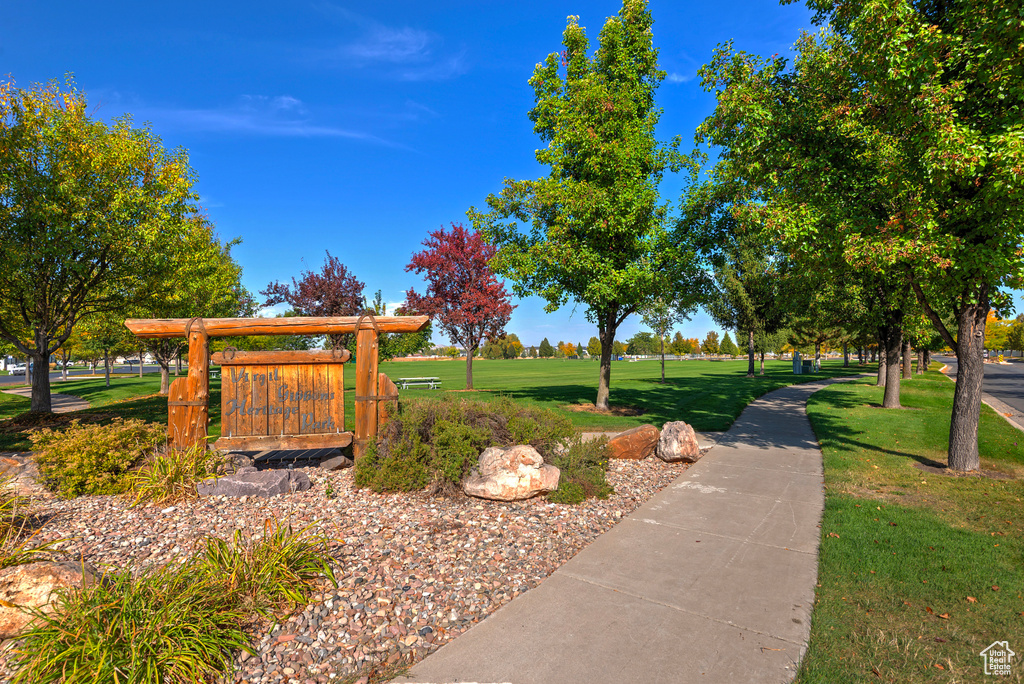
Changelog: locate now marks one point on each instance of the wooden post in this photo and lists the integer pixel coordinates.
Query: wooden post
(197, 387)
(366, 389)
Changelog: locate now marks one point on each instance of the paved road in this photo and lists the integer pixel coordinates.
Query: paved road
(55, 376)
(1004, 381)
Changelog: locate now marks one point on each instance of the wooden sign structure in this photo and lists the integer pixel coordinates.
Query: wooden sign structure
(278, 400)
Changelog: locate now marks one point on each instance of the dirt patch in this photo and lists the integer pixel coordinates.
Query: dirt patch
(610, 411)
(943, 470)
(37, 421)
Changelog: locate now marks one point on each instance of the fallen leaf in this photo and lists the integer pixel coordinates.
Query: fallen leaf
(892, 524)
(874, 671)
(833, 534)
(995, 588)
(940, 640)
(939, 666)
(930, 611)
(971, 599)
(944, 616)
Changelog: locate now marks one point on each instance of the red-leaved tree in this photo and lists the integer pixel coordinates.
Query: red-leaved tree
(331, 292)
(463, 294)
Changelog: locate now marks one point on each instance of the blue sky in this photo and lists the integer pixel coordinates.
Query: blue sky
(358, 128)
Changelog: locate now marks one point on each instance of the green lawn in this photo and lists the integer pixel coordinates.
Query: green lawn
(707, 394)
(918, 571)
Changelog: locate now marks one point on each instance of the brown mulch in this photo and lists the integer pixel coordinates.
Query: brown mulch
(611, 411)
(944, 470)
(37, 421)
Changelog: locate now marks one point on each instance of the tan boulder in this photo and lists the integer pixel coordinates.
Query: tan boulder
(511, 474)
(635, 444)
(678, 442)
(34, 585)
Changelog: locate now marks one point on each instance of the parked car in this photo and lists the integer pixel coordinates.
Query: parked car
(17, 369)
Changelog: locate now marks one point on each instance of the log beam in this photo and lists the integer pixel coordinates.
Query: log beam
(151, 328)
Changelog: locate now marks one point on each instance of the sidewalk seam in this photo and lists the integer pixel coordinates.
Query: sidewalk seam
(678, 608)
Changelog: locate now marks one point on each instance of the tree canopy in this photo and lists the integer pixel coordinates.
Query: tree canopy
(597, 231)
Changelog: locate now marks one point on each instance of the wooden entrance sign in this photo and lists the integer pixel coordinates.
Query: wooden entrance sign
(188, 399)
(282, 400)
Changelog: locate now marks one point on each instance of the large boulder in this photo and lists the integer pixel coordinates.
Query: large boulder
(34, 585)
(250, 482)
(510, 474)
(678, 442)
(635, 444)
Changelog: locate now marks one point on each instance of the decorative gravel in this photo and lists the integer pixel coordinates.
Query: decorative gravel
(414, 571)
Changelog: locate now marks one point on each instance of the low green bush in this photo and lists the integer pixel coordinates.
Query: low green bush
(170, 477)
(174, 624)
(436, 442)
(94, 459)
(583, 465)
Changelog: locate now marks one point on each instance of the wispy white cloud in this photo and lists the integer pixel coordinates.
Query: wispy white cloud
(676, 77)
(277, 116)
(403, 52)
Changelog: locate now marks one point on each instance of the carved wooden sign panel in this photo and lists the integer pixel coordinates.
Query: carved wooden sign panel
(278, 400)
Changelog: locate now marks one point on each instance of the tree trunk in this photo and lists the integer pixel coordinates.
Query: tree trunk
(177, 363)
(860, 356)
(920, 362)
(40, 380)
(892, 338)
(750, 353)
(927, 358)
(907, 370)
(963, 427)
(106, 366)
(881, 362)
(874, 355)
(606, 333)
(662, 358)
(817, 356)
(762, 363)
(469, 368)
(846, 355)
(141, 352)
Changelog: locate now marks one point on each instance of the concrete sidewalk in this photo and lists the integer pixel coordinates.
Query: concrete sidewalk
(712, 580)
(60, 403)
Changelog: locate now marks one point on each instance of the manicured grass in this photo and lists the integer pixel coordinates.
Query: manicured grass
(707, 394)
(919, 571)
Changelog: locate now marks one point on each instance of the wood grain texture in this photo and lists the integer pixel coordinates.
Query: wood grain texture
(177, 416)
(295, 325)
(277, 358)
(387, 407)
(336, 385)
(197, 389)
(366, 387)
(284, 442)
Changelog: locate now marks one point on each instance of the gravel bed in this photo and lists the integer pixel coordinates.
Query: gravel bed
(414, 571)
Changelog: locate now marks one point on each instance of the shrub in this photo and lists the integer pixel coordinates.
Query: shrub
(437, 441)
(178, 623)
(583, 466)
(93, 459)
(170, 477)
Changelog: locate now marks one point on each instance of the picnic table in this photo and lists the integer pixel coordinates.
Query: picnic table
(404, 383)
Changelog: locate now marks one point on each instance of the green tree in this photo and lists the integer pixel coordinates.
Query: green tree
(642, 344)
(1015, 340)
(660, 315)
(594, 348)
(710, 343)
(546, 350)
(728, 347)
(618, 348)
(598, 231)
(86, 209)
(929, 94)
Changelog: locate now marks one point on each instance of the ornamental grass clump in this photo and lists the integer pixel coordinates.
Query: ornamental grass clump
(179, 623)
(172, 476)
(16, 539)
(94, 459)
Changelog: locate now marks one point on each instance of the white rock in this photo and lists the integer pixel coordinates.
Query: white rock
(511, 474)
